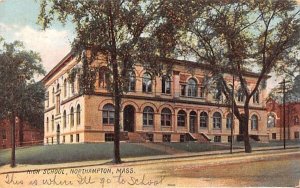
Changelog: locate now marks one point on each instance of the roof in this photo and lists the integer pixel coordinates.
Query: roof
(71, 54)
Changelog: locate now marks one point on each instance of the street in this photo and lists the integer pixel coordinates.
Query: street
(268, 168)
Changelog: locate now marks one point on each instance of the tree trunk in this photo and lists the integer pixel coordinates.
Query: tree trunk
(245, 123)
(21, 135)
(117, 100)
(13, 140)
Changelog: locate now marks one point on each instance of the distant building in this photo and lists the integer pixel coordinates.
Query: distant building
(275, 120)
(25, 135)
(174, 107)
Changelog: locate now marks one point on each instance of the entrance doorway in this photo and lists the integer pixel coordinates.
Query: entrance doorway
(193, 121)
(58, 134)
(128, 117)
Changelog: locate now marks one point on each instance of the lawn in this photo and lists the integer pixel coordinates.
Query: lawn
(74, 152)
(196, 146)
(272, 143)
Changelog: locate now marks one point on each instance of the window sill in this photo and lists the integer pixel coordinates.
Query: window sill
(191, 97)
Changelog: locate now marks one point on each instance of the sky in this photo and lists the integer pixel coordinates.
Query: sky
(18, 21)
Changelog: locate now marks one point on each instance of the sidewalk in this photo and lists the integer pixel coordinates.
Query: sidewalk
(221, 154)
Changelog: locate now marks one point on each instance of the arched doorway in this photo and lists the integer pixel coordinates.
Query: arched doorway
(58, 134)
(193, 121)
(128, 116)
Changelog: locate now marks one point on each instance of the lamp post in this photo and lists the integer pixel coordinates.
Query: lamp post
(283, 105)
(232, 119)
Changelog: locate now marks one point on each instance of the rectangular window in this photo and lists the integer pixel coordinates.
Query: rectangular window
(47, 98)
(4, 134)
(183, 88)
(52, 140)
(217, 139)
(77, 137)
(57, 104)
(64, 139)
(296, 134)
(109, 137)
(71, 138)
(274, 136)
(166, 138)
(182, 138)
(229, 138)
(149, 137)
(47, 141)
(202, 92)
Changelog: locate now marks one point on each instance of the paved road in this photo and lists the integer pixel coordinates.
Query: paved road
(271, 168)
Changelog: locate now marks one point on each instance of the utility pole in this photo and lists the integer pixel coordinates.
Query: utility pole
(284, 113)
(232, 119)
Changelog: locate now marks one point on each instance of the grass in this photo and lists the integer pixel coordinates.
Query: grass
(196, 146)
(65, 153)
(270, 144)
(74, 152)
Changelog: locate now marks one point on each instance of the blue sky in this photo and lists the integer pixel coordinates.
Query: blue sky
(18, 21)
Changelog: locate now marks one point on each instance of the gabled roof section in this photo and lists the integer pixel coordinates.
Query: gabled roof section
(60, 65)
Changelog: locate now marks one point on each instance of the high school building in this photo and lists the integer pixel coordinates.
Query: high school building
(166, 108)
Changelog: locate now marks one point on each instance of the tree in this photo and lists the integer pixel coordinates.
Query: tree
(20, 95)
(237, 36)
(126, 31)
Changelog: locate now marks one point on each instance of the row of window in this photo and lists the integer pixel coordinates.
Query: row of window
(191, 89)
(166, 118)
(65, 92)
(64, 121)
(271, 120)
(64, 139)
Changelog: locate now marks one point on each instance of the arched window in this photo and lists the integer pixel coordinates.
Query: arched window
(78, 115)
(192, 87)
(296, 120)
(254, 122)
(181, 118)
(166, 85)
(52, 123)
(65, 87)
(147, 82)
(148, 116)
(108, 114)
(65, 119)
(166, 116)
(271, 120)
(203, 119)
(217, 120)
(255, 97)
(72, 117)
(229, 121)
(47, 124)
(240, 95)
(131, 83)
(57, 87)
(103, 76)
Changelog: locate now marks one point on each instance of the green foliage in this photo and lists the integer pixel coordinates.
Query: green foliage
(19, 93)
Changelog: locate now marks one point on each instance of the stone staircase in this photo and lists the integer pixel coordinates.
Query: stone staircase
(199, 137)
